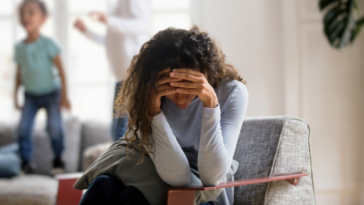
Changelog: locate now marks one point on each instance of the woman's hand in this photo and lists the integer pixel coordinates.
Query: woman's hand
(163, 88)
(196, 83)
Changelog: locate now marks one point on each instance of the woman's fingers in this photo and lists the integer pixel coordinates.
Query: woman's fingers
(166, 80)
(164, 87)
(164, 71)
(186, 84)
(186, 76)
(188, 91)
(166, 92)
(189, 71)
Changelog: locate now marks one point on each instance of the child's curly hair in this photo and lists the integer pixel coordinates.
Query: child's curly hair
(169, 48)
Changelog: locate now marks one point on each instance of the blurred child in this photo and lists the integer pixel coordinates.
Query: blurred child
(45, 87)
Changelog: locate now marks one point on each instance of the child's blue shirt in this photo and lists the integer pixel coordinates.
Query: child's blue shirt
(37, 71)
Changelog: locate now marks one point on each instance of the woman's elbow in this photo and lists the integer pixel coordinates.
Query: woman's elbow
(178, 182)
(210, 182)
(213, 177)
(181, 179)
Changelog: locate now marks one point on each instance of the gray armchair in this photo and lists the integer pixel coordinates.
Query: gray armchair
(269, 147)
(275, 167)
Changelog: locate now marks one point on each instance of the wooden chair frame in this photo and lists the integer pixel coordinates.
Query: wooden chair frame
(67, 195)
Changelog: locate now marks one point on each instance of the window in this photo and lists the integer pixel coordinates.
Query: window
(90, 82)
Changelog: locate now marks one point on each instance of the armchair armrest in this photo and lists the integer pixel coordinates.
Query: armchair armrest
(185, 196)
(67, 195)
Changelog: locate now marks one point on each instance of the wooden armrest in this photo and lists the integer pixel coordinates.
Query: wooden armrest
(67, 195)
(186, 195)
(293, 178)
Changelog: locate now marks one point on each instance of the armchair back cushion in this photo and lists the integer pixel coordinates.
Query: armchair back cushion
(272, 147)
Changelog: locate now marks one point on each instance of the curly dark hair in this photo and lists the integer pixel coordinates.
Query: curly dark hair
(169, 48)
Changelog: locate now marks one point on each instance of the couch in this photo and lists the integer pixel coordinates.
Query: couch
(41, 189)
(267, 147)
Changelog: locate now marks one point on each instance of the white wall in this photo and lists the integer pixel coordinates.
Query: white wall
(249, 34)
(332, 99)
(279, 48)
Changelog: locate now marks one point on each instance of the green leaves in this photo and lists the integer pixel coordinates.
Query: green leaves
(340, 26)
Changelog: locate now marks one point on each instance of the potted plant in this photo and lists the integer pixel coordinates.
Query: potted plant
(342, 21)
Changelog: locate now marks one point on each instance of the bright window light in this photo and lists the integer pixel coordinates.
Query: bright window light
(90, 82)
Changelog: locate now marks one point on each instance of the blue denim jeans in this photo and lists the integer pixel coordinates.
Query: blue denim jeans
(107, 189)
(119, 124)
(51, 102)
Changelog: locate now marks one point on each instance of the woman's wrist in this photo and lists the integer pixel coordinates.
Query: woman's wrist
(158, 120)
(212, 102)
(210, 105)
(155, 112)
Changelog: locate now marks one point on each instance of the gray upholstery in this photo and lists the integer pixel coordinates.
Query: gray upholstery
(92, 153)
(273, 147)
(43, 154)
(7, 133)
(266, 147)
(292, 156)
(28, 190)
(42, 151)
(93, 133)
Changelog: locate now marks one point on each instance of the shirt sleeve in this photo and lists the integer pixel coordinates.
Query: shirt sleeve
(53, 49)
(169, 159)
(139, 22)
(97, 38)
(219, 135)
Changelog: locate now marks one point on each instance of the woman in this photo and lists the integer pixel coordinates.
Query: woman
(186, 109)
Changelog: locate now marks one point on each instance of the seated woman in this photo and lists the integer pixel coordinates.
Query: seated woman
(186, 108)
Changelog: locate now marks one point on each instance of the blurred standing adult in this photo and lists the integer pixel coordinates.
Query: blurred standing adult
(128, 28)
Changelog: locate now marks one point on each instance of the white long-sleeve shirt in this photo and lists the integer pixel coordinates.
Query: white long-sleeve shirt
(212, 132)
(128, 28)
